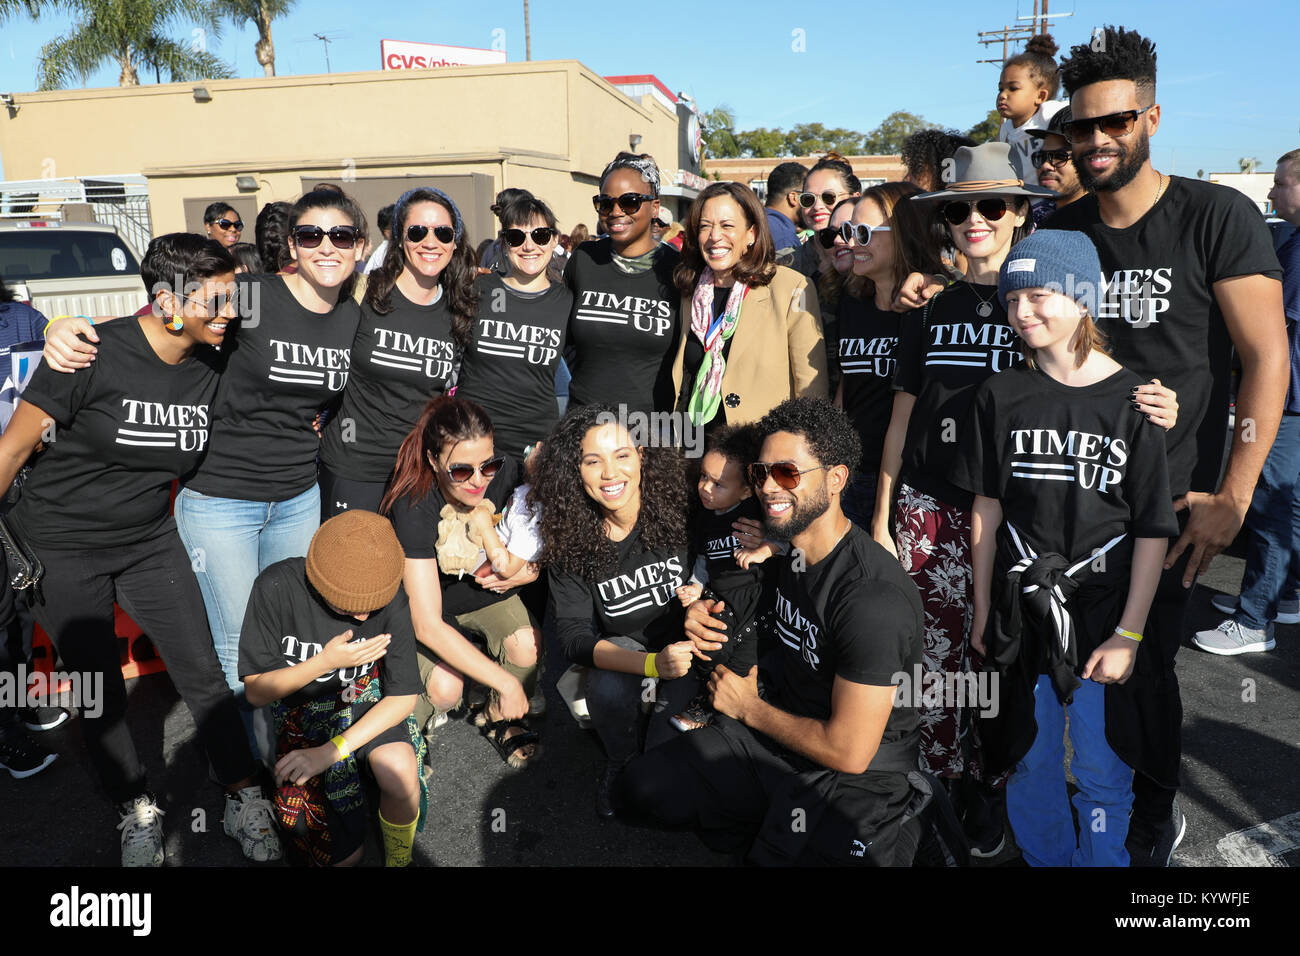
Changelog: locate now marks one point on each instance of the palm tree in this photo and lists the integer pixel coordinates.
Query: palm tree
(260, 13)
(131, 33)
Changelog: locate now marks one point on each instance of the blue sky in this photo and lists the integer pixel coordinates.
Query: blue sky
(1225, 83)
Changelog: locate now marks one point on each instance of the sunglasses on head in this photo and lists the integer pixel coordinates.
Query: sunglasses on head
(309, 237)
(444, 234)
(1057, 157)
(630, 203)
(1112, 124)
(784, 473)
(828, 198)
(959, 211)
(235, 224)
(460, 472)
(541, 235)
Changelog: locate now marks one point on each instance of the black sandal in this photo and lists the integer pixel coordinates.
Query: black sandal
(509, 747)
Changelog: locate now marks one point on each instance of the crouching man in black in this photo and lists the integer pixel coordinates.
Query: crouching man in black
(815, 769)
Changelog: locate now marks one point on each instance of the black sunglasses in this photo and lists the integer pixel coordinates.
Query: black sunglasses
(784, 473)
(541, 235)
(991, 209)
(216, 304)
(630, 203)
(1112, 124)
(460, 472)
(1057, 157)
(827, 237)
(228, 224)
(828, 198)
(444, 234)
(309, 237)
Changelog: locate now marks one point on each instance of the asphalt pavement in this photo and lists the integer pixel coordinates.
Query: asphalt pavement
(1240, 736)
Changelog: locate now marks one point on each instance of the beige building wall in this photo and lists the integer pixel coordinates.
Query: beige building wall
(548, 126)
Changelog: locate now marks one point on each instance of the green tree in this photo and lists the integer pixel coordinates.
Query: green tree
(762, 142)
(887, 138)
(986, 131)
(718, 129)
(129, 33)
(808, 138)
(260, 13)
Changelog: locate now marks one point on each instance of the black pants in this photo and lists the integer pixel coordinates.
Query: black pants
(740, 650)
(154, 584)
(736, 788)
(614, 701)
(339, 494)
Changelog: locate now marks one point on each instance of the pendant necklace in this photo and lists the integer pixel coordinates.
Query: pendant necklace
(985, 308)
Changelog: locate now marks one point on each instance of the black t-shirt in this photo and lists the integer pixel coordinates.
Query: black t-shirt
(125, 428)
(855, 614)
(417, 530)
(715, 543)
(637, 600)
(941, 361)
(399, 362)
(283, 364)
(509, 367)
(868, 341)
(623, 329)
(287, 622)
(1160, 314)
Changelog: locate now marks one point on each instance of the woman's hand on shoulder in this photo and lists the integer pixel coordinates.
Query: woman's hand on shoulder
(64, 350)
(1158, 403)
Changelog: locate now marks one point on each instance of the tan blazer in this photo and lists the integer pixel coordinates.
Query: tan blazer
(777, 351)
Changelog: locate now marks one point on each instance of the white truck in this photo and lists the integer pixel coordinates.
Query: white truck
(70, 268)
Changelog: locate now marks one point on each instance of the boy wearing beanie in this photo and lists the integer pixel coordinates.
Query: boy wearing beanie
(1071, 520)
(328, 642)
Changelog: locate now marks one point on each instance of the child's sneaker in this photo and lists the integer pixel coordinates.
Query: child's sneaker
(1231, 638)
(141, 826)
(250, 820)
(21, 755)
(697, 715)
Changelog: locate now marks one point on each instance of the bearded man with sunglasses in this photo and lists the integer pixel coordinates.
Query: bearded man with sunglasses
(824, 743)
(1189, 273)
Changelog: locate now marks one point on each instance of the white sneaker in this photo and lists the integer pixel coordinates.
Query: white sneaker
(250, 820)
(1288, 612)
(1231, 638)
(142, 839)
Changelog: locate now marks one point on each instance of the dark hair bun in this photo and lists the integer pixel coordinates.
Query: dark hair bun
(1043, 45)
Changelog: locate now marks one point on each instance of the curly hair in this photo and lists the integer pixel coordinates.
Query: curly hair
(457, 277)
(739, 444)
(1037, 58)
(1119, 54)
(924, 152)
(830, 435)
(572, 528)
(757, 265)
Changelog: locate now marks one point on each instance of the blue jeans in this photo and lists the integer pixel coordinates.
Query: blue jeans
(230, 542)
(1273, 524)
(1037, 801)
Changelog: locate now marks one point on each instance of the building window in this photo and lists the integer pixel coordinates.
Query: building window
(760, 188)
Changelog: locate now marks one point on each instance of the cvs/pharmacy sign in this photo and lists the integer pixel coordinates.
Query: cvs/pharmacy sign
(407, 55)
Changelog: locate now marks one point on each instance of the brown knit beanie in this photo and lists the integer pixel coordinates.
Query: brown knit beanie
(355, 562)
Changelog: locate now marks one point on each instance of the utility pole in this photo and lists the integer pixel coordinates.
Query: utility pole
(1038, 23)
(528, 37)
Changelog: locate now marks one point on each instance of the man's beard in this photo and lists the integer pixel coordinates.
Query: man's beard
(803, 514)
(1128, 164)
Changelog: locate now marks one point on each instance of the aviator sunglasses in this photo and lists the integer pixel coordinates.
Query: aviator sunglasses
(828, 198)
(444, 234)
(309, 237)
(784, 473)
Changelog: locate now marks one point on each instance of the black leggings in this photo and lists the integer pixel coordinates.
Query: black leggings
(339, 494)
(154, 584)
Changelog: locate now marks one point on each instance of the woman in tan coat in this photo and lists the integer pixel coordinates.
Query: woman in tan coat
(752, 333)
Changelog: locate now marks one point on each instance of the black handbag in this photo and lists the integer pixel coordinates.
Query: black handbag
(25, 568)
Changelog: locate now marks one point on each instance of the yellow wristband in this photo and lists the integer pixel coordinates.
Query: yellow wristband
(650, 669)
(1129, 634)
(341, 746)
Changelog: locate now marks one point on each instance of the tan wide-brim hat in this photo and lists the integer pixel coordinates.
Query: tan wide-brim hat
(984, 170)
